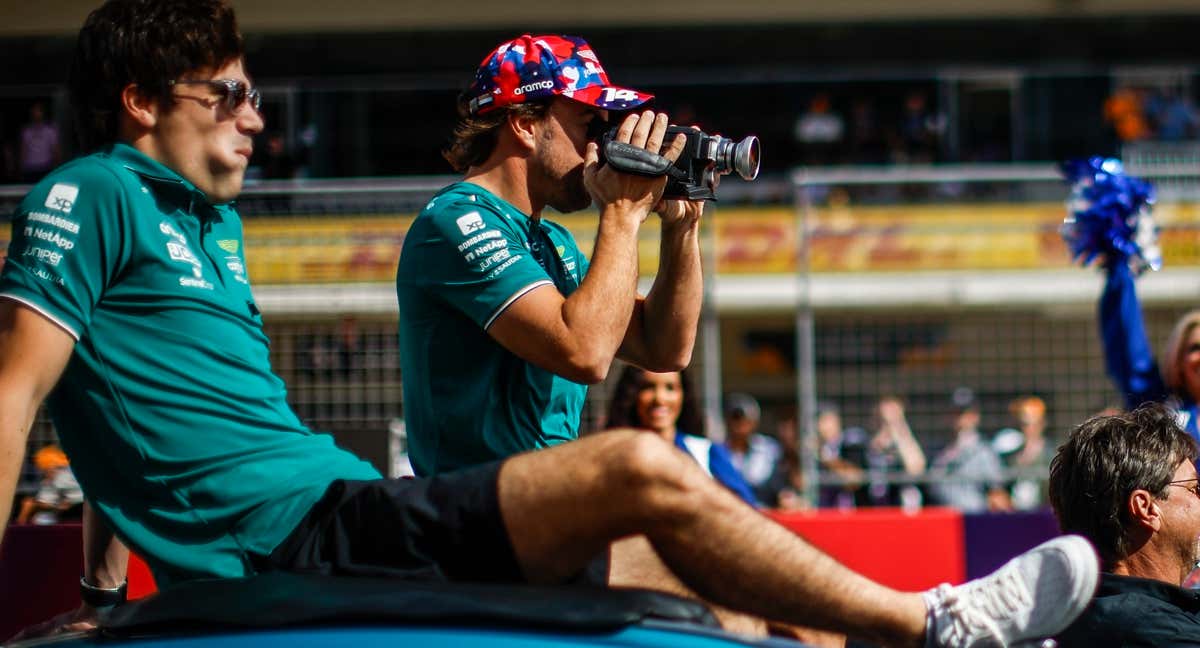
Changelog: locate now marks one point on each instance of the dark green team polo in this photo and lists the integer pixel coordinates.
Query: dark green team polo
(176, 427)
(467, 399)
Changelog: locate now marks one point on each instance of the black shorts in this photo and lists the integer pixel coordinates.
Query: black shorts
(446, 527)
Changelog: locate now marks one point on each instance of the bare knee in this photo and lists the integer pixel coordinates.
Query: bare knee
(653, 476)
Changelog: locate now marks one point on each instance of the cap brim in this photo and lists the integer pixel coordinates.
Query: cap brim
(609, 97)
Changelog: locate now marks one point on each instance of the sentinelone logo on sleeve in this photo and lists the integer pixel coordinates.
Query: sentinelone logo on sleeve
(471, 222)
(62, 197)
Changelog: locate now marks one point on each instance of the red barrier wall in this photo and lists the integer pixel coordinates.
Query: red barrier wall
(901, 550)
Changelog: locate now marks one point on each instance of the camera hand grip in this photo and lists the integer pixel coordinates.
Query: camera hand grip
(627, 158)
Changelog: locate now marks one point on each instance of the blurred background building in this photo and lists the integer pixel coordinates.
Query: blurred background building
(902, 238)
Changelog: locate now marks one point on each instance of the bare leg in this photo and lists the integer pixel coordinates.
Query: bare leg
(562, 506)
(633, 563)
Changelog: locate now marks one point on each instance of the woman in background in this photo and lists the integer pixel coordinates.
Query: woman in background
(1130, 361)
(664, 404)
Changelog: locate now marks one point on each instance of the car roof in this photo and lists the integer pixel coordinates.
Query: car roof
(295, 609)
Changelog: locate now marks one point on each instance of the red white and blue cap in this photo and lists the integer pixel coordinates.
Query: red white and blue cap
(532, 68)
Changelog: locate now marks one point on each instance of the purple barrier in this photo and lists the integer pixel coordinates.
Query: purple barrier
(993, 538)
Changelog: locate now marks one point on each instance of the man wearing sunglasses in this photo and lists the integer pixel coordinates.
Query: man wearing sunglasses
(124, 299)
(1128, 483)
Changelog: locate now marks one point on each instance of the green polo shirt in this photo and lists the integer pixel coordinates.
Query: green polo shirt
(176, 427)
(467, 399)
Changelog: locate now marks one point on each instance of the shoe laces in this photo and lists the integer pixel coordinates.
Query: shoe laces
(977, 609)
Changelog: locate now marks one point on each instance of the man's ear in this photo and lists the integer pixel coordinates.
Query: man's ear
(140, 108)
(525, 129)
(1144, 509)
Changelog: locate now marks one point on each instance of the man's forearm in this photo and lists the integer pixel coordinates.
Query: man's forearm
(672, 308)
(600, 309)
(15, 422)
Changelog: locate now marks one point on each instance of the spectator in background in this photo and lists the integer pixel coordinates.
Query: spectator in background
(1125, 112)
(841, 456)
(278, 162)
(1130, 360)
(1025, 452)
(665, 404)
(39, 149)
(784, 489)
(1173, 116)
(819, 132)
(58, 497)
(892, 451)
(1128, 484)
(967, 474)
(866, 140)
(753, 454)
(351, 348)
(920, 130)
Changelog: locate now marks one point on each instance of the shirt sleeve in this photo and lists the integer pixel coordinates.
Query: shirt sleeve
(66, 246)
(1127, 351)
(475, 259)
(722, 469)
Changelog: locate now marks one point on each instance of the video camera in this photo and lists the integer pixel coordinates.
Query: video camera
(694, 175)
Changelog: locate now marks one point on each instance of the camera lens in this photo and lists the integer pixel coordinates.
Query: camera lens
(745, 158)
(741, 157)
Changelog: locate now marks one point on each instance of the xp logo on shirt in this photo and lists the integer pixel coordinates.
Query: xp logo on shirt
(471, 222)
(62, 197)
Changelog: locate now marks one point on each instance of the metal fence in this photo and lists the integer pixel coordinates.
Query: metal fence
(958, 278)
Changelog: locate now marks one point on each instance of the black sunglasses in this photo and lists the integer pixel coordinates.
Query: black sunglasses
(231, 91)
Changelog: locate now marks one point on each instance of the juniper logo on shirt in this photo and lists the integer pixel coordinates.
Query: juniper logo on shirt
(62, 197)
(471, 222)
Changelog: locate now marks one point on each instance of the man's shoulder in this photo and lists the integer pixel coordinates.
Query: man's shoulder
(765, 444)
(463, 197)
(1123, 600)
(94, 169)
(93, 180)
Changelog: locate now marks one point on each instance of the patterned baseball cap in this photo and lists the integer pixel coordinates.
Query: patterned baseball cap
(530, 68)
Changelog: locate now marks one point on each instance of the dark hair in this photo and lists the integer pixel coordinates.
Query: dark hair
(148, 43)
(475, 136)
(622, 409)
(1104, 460)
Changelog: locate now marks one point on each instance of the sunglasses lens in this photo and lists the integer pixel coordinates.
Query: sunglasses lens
(235, 94)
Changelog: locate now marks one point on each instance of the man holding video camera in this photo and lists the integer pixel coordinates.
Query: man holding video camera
(503, 320)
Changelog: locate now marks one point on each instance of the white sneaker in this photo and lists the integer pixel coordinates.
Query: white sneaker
(1033, 596)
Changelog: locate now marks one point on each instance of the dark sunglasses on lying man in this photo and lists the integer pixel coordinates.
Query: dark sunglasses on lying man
(232, 92)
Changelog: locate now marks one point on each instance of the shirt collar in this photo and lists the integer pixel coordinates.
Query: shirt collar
(161, 175)
(1113, 584)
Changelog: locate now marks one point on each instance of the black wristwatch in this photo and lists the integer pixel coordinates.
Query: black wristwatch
(100, 597)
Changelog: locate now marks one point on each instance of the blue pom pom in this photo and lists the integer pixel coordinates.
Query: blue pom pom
(1109, 215)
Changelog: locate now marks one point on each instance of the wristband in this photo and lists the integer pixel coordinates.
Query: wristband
(100, 597)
